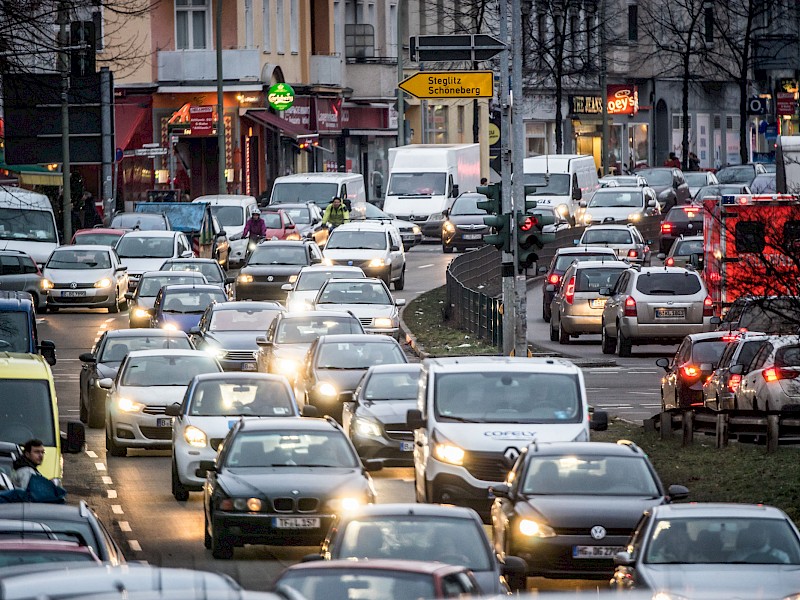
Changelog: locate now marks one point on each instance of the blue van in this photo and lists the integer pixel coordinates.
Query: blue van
(18, 327)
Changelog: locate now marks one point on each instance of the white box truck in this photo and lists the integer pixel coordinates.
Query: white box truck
(424, 177)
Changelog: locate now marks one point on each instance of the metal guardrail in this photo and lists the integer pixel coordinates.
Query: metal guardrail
(473, 285)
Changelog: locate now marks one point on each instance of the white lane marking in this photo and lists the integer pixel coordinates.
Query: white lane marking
(107, 480)
(91, 454)
(100, 466)
(648, 393)
(124, 526)
(112, 494)
(134, 545)
(633, 372)
(108, 320)
(615, 405)
(594, 389)
(425, 266)
(117, 509)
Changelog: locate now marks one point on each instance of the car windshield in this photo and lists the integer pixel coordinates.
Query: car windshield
(565, 260)
(740, 174)
(365, 210)
(689, 247)
(377, 584)
(78, 525)
(468, 205)
(243, 319)
(719, 190)
(116, 348)
(298, 215)
(228, 216)
(313, 280)
(79, 260)
(272, 220)
(97, 239)
(151, 284)
(268, 254)
(190, 301)
(210, 270)
(149, 371)
(392, 386)
(764, 184)
(417, 184)
(287, 448)
(28, 225)
(556, 185)
(145, 247)
(411, 537)
(14, 332)
(368, 292)
(140, 221)
(304, 330)
(657, 177)
(685, 214)
(33, 418)
(517, 397)
(668, 284)
(591, 280)
(611, 198)
(788, 356)
(590, 475)
(351, 240)
(359, 355)
(606, 236)
(747, 352)
(708, 351)
(302, 191)
(241, 397)
(696, 178)
(722, 540)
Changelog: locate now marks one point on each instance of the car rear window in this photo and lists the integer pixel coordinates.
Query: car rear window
(669, 284)
(689, 247)
(591, 280)
(606, 236)
(708, 351)
(788, 356)
(565, 260)
(684, 214)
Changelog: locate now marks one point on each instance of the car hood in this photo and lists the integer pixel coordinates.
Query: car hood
(387, 411)
(161, 395)
(272, 269)
(38, 251)
(726, 582)
(218, 427)
(354, 254)
(618, 213)
(235, 340)
(584, 512)
(182, 321)
(661, 188)
(282, 481)
(467, 220)
(77, 275)
(496, 437)
(140, 265)
(343, 381)
(362, 310)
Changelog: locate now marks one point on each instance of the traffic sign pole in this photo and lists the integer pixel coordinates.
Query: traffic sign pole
(507, 259)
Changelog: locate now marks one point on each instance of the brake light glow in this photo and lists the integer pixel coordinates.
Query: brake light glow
(670, 262)
(666, 228)
(569, 294)
(708, 307)
(775, 374)
(733, 382)
(630, 307)
(730, 338)
(633, 253)
(690, 371)
(554, 278)
(691, 214)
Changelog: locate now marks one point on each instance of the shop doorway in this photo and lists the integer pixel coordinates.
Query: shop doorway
(662, 134)
(197, 165)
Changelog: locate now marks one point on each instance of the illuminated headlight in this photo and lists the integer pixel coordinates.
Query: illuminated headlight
(244, 278)
(169, 327)
(292, 278)
(448, 227)
(326, 389)
(383, 322)
(449, 453)
(327, 262)
(288, 367)
(299, 306)
(436, 217)
(195, 437)
(250, 504)
(347, 504)
(129, 406)
(563, 210)
(378, 262)
(416, 230)
(367, 428)
(532, 528)
(587, 218)
(215, 351)
(293, 236)
(47, 284)
(635, 217)
(140, 313)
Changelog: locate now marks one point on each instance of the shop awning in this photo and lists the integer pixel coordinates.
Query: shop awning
(287, 129)
(31, 174)
(127, 120)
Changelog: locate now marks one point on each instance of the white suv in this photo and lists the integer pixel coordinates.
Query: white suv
(376, 247)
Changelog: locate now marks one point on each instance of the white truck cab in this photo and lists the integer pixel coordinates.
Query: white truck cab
(561, 180)
(476, 414)
(319, 188)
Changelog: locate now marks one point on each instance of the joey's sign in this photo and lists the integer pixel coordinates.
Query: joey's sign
(620, 100)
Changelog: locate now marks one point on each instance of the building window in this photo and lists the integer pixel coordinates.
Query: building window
(359, 41)
(633, 23)
(535, 138)
(97, 19)
(280, 27)
(191, 24)
(267, 24)
(294, 27)
(709, 23)
(461, 121)
(248, 23)
(392, 29)
(437, 132)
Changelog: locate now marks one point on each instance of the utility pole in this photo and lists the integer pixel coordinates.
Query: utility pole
(518, 191)
(107, 190)
(401, 100)
(63, 67)
(507, 260)
(223, 184)
(603, 83)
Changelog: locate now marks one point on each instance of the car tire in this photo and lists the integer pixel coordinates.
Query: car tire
(517, 582)
(624, 345)
(563, 336)
(401, 283)
(53, 309)
(447, 249)
(180, 493)
(607, 344)
(96, 415)
(114, 308)
(221, 546)
(206, 535)
(113, 448)
(553, 331)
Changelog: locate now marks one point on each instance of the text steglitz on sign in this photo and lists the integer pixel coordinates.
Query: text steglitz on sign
(449, 84)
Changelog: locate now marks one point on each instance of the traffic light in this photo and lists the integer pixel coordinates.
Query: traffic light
(529, 191)
(528, 239)
(493, 205)
(83, 59)
(308, 141)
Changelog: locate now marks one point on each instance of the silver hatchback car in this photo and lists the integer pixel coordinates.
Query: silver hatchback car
(577, 307)
(655, 305)
(626, 240)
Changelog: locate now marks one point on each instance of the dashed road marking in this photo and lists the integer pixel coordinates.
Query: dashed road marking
(107, 480)
(100, 466)
(91, 454)
(134, 545)
(425, 266)
(117, 509)
(108, 320)
(124, 526)
(112, 494)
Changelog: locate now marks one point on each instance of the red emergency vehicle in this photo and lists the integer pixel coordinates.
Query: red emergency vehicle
(751, 247)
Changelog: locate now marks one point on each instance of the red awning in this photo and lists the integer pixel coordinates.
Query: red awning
(287, 129)
(127, 120)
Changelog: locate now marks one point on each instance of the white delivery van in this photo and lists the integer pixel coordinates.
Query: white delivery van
(474, 416)
(27, 223)
(423, 177)
(232, 212)
(561, 180)
(319, 188)
(787, 165)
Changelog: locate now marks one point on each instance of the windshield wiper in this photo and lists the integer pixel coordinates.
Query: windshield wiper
(461, 419)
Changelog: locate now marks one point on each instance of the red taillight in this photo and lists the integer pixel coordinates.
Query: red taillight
(775, 373)
(666, 228)
(733, 382)
(630, 307)
(569, 294)
(708, 307)
(633, 253)
(554, 279)
(670, 262)
(690, 371)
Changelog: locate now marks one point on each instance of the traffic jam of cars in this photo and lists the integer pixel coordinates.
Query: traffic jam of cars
(276, 384)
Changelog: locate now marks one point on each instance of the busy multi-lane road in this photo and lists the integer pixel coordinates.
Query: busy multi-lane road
(132, 494)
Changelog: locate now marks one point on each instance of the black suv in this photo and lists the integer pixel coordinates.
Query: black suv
(681, 220)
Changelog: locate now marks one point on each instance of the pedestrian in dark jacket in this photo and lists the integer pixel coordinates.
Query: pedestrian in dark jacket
(27, 465)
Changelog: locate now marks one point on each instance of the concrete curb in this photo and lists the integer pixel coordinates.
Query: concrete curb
(410, 338)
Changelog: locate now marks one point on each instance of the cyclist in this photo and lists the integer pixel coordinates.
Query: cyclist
(336, 213)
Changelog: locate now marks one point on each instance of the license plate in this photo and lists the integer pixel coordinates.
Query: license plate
(671, 312)
(406, 446)
(597, 302)
(164, 422)
(73, 293)
(596, 551)
(248, 366)
(473, 236)
(296, 522)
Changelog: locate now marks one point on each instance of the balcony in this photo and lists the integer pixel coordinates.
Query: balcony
(201, 65)
(327, 70)
(372, 80)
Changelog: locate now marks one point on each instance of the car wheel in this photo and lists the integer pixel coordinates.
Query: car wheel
(206, 535)
(607, 343)
(563, 336)
(114, 308)
(553, 331)
(112, 447)
(623, 344)
(178, 490)
(53, 309)
(401, 283)
(96, 415)
(221, 546)
(545, 312)
(447, 249)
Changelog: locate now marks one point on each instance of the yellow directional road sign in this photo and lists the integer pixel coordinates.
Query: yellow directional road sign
(449, 84)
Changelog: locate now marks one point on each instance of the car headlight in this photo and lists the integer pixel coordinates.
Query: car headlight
(140, 313)
(416, 230)
(531, 528)
(288, 367)
(436, 217)
(244, 278)
(562, 209)
(383, 322)
(47, 284)
(449, 453)
(448, 227)
(292, 278)
(169, 327)
(327, 262)
(587, 218)
(299, 306)
(241, 504)
(129, 406)
(326, 389)
(367, 427)
(195, 437)
(345, 504)
(635, 217)
(215, 351)
(378, 262)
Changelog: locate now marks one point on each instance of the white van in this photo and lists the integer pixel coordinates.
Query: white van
(27, 223)
(232, 211)
(318, 188)
(561, 180)
(476, 414)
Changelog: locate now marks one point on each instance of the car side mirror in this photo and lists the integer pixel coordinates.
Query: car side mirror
(312, 558)
(736, 370)
(677, 492)
(541, 270)
(414, 419)
(577, 194)
(394, 248)
(173, 410)
(651, 203)
(501, 490)
(187, 254)
(290, 226)
(663, 363)
(122, 268)
(372, 464)
(128, 295)
(575, 242)
(309, 411)
(106, 383)
(598, 420)
(582, 204)
(400, 302)
(446, 213)
(455, 191)
(287, 287)
(47, 348)
(315, 260)
(87, 357)
(661, 256)
(204, 467)
(263, 342)
(623, 559)
(195, 330)
(74, 440)
(230, 280)
(222, 233)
